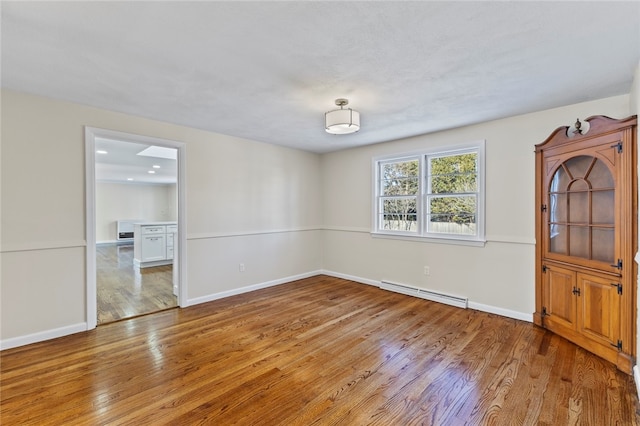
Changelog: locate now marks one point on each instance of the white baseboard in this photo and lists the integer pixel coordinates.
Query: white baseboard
(472, 305)
(501, 311)
(253, 287)
(41, 336)
(636, 378)
(351, 278)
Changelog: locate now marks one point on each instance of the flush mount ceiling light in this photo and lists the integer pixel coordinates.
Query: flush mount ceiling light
(342, 121)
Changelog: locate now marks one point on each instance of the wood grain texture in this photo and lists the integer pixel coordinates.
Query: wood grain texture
(318, 351)
(124, 291)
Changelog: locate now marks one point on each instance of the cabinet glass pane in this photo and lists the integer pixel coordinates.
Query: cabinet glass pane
(579, 241)
(560, 181)
(600, 176)
(558, 208)
(579, 166)
(578, 207)
(579, 185)
(602, 207)
(602, 248)
(558, 239)
(581, 216)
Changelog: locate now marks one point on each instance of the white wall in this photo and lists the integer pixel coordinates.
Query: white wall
(634, 106)
(498, 277)
(246, 202)
(173, 202)
(122, 201)
(283, 213)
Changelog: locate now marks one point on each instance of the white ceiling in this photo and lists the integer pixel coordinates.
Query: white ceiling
(268, 71)
(122, 164)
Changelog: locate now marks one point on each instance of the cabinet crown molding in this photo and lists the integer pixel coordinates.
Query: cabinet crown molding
(598, 125)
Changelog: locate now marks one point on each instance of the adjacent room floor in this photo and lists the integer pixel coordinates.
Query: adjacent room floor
(125, 291)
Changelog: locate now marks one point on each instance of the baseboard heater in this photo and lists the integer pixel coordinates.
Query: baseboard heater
(459, 302)
(124, 230)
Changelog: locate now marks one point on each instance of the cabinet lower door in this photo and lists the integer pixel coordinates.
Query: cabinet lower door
(599, 309)
(559, 297)
(154, 248)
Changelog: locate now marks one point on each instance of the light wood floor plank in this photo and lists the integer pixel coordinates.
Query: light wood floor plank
(317, 351)
(124, 291)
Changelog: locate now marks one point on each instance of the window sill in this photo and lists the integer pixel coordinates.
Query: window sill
(421, 239)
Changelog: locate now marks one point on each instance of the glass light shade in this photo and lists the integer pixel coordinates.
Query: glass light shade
(342, 121)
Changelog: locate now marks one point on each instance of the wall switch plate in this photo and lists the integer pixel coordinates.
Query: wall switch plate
(427, 270)
(241, 267)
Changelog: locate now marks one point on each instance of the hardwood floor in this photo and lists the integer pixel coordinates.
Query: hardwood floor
(319, 351)
(124, 291)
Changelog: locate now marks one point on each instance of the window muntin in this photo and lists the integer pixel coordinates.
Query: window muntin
(432, 194)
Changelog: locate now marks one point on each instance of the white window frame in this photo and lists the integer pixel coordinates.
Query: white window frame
(422, 233)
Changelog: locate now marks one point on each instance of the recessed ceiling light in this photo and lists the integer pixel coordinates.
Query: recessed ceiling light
(151, 171)
(101, 151)
(129, 178)
(155, 166)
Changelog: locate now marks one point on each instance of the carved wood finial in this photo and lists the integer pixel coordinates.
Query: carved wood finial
(577, 125)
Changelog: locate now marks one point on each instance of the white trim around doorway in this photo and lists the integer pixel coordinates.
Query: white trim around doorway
(91, 133)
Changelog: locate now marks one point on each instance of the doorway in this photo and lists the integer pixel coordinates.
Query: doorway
(125, 291)
(135, 185)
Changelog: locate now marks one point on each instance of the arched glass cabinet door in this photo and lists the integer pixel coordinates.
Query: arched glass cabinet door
(581, 213)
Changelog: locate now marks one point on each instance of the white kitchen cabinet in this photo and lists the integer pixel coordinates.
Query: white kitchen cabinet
(153, 244)
(171, 232)
(154, 247)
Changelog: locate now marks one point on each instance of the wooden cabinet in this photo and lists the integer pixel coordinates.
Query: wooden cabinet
(578, 304)
(586, 236)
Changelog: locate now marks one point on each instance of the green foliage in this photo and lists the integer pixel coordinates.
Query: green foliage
(453, 209)
(454, 174)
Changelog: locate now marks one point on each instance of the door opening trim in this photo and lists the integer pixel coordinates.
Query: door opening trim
(91, 133)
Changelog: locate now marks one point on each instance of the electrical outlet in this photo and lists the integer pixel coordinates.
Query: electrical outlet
(241, 267)
(427, 270)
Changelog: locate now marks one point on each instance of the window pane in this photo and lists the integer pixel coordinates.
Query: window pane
(602, 206)
(560, 181)
(399, 178)
(558, 239)
(579, 207)
(600, 176)
(579, 241)
(603, 244)
(452, 215)
(454, 173)
(558, 208)
(579, 166)
(399, 215)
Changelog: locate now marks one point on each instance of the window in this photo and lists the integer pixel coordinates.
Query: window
(431, 194)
